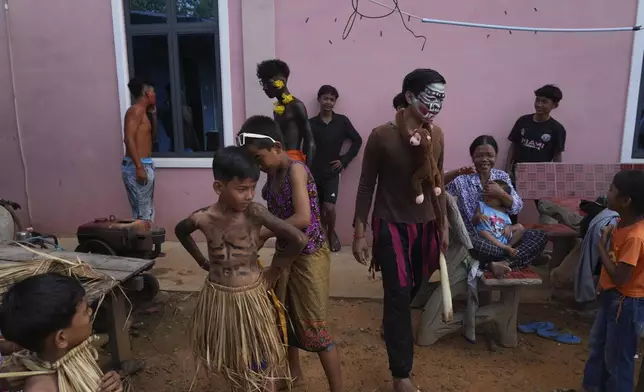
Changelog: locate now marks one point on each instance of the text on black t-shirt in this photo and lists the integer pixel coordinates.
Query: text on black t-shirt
(537, 141)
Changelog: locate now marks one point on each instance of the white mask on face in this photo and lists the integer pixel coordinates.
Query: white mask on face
(432, 97)
(429, 102)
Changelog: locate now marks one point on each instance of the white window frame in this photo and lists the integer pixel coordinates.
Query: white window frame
(122, 76)
(632, 100)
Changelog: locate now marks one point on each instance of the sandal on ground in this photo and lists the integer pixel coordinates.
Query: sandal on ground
(559, 336)
(536, 326)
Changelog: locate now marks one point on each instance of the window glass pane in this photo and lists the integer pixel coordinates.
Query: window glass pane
(150, 54)
(195, 10)
(200, 103)
(148, 11)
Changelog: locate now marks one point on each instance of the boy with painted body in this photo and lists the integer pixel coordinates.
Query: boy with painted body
(232, 228)
(289, 112)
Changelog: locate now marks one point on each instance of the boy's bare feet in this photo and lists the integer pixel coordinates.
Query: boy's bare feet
(499, 268)
(404, 385)
(283, 385)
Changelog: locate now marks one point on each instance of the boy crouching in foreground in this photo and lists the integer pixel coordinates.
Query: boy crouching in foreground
(49, 316)
(235, 331)
(619, 323)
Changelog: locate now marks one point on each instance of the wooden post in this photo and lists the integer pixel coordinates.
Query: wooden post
(120, 346)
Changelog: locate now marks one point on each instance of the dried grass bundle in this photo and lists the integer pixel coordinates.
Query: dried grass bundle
(11, 273)
(77, 371)
(234, 333)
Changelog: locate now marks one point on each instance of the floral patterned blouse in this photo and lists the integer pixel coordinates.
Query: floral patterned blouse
(469, 191)
(281, 205)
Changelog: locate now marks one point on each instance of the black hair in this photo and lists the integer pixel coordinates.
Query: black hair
(234, 162)
(400, 101)
(328, 89)
(416, 81)
(551, 92)
(504, 185)
(630, 183)
(269, 69)
(262, 125)
(137, 86)
(37, 307)
(483, 140)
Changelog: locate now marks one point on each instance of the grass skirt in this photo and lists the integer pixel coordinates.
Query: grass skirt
(236, 332)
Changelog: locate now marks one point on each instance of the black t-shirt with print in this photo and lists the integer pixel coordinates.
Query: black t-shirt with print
(537, 141)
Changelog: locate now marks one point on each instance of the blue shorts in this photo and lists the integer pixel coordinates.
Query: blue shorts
(139, 195)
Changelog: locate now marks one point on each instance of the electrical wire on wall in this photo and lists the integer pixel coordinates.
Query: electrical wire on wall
(396, 9)
(15, 108)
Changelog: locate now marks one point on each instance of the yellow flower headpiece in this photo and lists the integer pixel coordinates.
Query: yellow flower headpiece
(279, 84)
(287, 98)
(278, 108)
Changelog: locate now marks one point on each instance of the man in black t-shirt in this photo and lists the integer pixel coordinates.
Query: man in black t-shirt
(330, 131)
(538, 137)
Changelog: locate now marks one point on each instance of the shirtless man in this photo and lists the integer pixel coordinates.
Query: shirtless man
(231, 227)
(137, 166)
(289, 112)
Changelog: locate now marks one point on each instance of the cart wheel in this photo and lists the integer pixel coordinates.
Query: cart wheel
(95, 246)
(151, 287)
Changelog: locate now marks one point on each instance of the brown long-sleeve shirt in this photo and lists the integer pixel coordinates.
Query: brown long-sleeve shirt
(387, 161)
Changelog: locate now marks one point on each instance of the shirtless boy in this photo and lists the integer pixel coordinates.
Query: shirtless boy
(137, 166)
(48, 315)
(289, 112)
(237, 301)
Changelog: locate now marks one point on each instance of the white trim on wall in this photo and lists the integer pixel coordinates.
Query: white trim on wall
(226, 77)
(630, 117)
(122, 76)
(120, 54)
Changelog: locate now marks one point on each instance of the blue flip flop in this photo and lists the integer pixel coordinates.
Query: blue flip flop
(536, 326)
(559, 336)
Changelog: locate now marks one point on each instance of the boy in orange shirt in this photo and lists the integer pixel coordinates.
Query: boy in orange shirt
(615, 334)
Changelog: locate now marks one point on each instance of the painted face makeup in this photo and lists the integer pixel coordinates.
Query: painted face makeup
(430, 101)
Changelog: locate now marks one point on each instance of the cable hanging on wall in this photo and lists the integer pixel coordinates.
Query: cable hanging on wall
(396, 9)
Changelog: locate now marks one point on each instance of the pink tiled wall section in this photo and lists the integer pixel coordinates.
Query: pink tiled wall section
(563, 180)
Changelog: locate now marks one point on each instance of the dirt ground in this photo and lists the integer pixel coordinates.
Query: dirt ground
(451, 365)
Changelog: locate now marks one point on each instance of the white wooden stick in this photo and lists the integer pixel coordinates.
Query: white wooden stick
(448, 310)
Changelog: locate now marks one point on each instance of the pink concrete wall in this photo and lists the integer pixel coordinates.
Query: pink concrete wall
(490, 74)
(65, 76)
(67, 97)
(12, 180)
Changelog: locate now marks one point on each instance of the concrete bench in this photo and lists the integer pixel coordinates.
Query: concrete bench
(501, 314)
